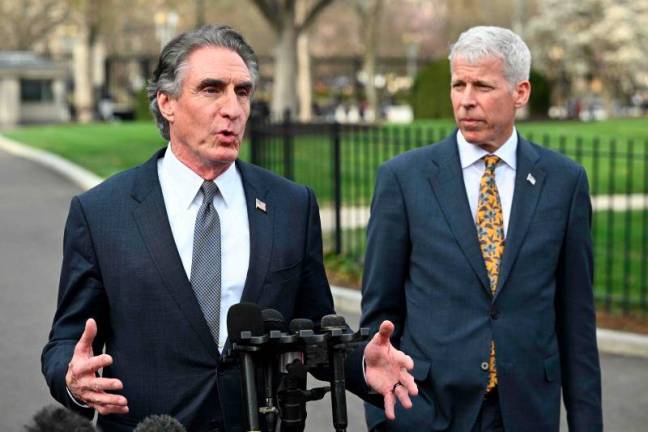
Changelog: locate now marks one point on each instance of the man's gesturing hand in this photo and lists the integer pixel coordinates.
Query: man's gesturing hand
(83, 382)
(387, 370)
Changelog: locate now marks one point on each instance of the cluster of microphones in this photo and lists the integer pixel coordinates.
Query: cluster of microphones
(281, 353)
(274, 358)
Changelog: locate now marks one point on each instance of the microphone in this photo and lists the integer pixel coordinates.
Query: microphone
(291, 396)
(159, 423)
(335, 325)
(273, 325)
(245, 321)
(297, 327)
(58, 419)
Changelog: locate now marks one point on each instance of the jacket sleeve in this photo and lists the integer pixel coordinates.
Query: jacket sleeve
(385, 272)
(387, 257)
(80, 297)
(575, 317)
(314, 298)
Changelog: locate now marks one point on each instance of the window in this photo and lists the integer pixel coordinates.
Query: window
(35, 90)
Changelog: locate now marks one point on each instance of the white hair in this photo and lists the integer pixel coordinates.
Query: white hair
(478, 43)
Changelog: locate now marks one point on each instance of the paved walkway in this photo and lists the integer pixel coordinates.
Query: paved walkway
(33, 207)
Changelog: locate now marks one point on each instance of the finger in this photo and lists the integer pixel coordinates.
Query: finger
(109, 409)
(409, 383)
(403, 397)
(102, 398)
(109, 384)
(390, 401)
(403, 360)
(91, 365)
(85, 342)
(384, 333)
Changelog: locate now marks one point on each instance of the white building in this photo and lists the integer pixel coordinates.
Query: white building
(32, 90)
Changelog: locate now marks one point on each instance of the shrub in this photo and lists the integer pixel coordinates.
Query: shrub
(430, 97)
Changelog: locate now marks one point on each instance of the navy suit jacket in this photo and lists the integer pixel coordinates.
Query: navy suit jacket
(424, 271)
(121, 267)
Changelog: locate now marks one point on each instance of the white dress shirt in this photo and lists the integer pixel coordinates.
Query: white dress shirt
(473, 167)
(182, 199)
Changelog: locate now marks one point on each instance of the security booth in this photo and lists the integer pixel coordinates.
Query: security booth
(32, 89)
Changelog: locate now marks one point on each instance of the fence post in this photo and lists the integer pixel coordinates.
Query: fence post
(288, 157)
(337, 185)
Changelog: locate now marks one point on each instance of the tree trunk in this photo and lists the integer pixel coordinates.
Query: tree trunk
(83, 93)
(284, 92)
(370, 12)
(304, 76)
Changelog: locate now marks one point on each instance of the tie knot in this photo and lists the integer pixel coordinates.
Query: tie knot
(491, 161)
(209, 190)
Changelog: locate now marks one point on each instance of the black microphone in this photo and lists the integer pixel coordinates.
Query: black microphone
(336, 325)
(58, 419)
(296, 327)
(244, 321)
(159, 423)
(273, 325)
(291, 396)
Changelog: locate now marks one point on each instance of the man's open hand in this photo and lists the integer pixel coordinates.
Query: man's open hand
(387, 370)
(83, 382)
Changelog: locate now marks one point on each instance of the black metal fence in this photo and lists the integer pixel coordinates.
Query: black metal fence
(339, 163)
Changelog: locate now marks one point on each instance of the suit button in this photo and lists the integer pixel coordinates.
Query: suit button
(484, 366)
(494, 314)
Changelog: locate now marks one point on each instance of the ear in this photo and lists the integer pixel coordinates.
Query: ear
(522, 93)
(166, 104)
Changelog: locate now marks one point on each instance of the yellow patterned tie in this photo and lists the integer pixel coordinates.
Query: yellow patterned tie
(490, 232)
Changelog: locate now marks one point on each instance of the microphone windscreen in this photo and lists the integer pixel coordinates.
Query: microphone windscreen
(300, 324)
(333, 321)
(159, 423)
(273, 320)
(58, 419)
(244, 317)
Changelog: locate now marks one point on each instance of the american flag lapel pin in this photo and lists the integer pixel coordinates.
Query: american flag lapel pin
(260, 205)
(531, 179)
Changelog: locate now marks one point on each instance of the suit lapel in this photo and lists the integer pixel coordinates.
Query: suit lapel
(261, 226)
(525, 200)
(153, 223)
(447, 183)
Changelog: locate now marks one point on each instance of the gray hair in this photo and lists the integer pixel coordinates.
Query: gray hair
(167, 77)
(480, 42)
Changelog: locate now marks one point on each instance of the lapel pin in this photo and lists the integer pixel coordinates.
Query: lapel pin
(260, 205)
(531, 179)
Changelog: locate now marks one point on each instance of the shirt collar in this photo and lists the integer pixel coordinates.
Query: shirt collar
(470, 153)
(186, 183)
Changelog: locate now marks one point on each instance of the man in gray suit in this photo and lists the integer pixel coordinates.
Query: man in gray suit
(479, 250)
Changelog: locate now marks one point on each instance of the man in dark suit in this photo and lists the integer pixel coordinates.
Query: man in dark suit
(155, 256)
(479, 250)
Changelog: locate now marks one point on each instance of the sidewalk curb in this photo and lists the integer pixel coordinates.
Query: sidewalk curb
(78, 175)
(346, 300)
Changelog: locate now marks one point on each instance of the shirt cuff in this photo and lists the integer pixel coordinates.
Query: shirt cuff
(364, 369)
(82, 405)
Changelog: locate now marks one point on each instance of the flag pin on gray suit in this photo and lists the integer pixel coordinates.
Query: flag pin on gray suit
(260, 205)
(531, 179)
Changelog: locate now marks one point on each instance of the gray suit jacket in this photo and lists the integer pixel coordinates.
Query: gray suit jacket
(424, 271)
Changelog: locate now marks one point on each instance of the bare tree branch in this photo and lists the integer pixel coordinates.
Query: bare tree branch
(314, 12)
(271, 10)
